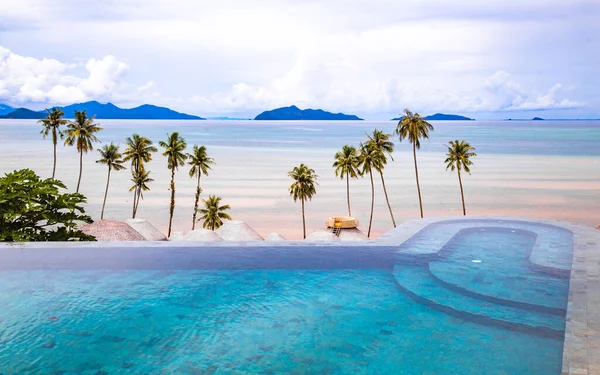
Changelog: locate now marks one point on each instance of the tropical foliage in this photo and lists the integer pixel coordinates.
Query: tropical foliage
(413, 128)
(51, 125)
(303, 187)
(213, 213)
(32, 209)
(200, 164)
(346, 165)
(139, 151)
(459, 158)
(381, 142)
(81, 133)
(141, 179)
(369, 158)
(175, 152)
(111, 157)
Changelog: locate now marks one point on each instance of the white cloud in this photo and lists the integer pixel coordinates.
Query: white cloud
(49, 81)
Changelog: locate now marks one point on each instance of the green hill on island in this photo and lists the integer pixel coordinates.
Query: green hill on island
(295, 113)
(441, 117)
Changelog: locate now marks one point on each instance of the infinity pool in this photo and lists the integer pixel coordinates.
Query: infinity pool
(477, 304)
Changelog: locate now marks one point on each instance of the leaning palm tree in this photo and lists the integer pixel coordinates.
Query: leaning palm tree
(81, 133)
(212, 213)
(52, 124)
(303, 187)
(385, 148)
(346, 165)
(459, 154)
(111, 157)
(413, 127)
(200, 163)
(141, 179)
(175, 153)
(139, 151)
(369, 158)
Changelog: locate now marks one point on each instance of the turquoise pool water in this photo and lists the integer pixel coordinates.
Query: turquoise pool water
(290, 310)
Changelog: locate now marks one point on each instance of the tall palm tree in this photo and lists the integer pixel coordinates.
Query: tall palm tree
(303, 187)
(385, 147)
(139, 151)
(212, 213)
(413, 127)
(346, 165)
(141, 179)
(81, 133)
(200, 163)
(111, 157)
(459, 154)
(369, 158)
(175, 153)
(51, 125)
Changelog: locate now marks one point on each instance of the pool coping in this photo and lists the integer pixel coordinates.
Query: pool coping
(581, 352)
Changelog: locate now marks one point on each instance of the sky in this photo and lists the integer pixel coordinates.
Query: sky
(491, 59)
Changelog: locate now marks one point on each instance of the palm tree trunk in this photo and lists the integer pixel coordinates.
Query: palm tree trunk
(417, 176)
(348, 193)
(198, 191)
(372, 203)
(462, 195)
(134, 198)
(80, 170)
(303, 220)
(139, 197)
(54, 140)
(172, 207)
(105, 194)
(386, 199)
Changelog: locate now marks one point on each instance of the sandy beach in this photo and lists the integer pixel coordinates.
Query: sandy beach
(254, 181)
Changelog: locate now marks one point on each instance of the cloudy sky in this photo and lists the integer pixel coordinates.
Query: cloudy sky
(487, 59)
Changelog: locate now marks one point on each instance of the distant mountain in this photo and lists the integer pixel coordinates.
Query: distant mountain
(537, 119)
(295, 113)
(440, 117)
(24, 113)
(109, 111)
(5, 109)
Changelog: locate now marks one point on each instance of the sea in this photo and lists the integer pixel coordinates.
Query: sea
(542, 169)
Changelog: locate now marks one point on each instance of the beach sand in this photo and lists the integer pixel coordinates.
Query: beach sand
(254, 182)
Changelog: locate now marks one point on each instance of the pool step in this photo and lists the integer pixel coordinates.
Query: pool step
(420, 285)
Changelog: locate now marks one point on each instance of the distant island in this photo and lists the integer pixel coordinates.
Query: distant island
(440, 117)
(225, 118)
(537, 119)
(5, 109)
(295, 113)
(105, 111)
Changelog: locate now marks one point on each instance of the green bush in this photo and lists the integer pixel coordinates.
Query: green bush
(32, 209)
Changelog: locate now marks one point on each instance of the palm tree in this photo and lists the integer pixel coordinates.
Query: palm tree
(459, 154)
(81, 132)
(200, 163)
(303, 187)
(212, 213)
(52, 124)
(385, 147)
(369, 158)
(175, 153)
(413, 127)
(141, 179)
(346, 164)
(111, 157)
(139, 150)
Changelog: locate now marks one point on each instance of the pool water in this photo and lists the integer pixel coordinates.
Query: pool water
(447, 315)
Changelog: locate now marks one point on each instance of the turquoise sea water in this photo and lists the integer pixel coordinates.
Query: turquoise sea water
(294, 311)
(557, 138)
